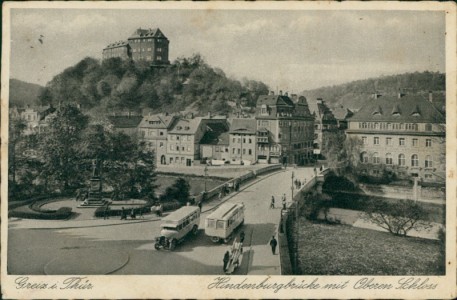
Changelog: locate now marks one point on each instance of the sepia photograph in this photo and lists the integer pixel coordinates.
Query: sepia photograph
(256, 150)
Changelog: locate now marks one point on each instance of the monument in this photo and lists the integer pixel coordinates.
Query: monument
(95, 197)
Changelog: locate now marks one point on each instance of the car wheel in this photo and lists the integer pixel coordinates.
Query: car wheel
(173, 244)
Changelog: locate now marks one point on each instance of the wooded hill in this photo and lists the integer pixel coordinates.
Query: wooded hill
(116, 85)
(23, 93)
(355, 93)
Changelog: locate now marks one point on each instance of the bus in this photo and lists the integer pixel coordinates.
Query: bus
(222, 222)
(176, 226)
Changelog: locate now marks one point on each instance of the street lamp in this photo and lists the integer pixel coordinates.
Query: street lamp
(206, 175)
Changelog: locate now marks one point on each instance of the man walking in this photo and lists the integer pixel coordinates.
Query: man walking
(272, 203)
(284, 202)
(273, 244)
(226, 260)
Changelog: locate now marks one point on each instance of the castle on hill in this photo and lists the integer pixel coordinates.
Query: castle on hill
(149, 45)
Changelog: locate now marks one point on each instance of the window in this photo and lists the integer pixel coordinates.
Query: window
(428, 176)
(171, 147)
(364, 157)
(244, 151)
(388, 159)
(244, 140)
(161, 133)
(401, 159)
(364, 140)
(250, 141)
(376, 140)
(239, 151)
(414, 160)
(233, 152)
(401, 141)
(428, 127)
(159, 58)
(376, 159)
(428, 143)
(389, 141)
(233, 140)
(428, 162)
(250, 152)
(161, 144)
(415, 142)
(159, 49)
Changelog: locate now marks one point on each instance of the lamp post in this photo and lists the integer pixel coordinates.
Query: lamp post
(206, 175)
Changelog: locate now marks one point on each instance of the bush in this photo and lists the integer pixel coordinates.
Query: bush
(397, 217)
(100, 211)
(25, 212)
(314, 204)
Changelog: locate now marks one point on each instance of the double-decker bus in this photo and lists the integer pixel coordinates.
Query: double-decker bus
(222, 222)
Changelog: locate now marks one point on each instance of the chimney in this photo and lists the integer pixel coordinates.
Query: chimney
(430, 96)
(280, 92)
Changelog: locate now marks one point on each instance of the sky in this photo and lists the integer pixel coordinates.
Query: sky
(288, 50)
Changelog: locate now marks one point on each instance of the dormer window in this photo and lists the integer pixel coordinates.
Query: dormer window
(264, 109)
(187, 128)
(377, 111)
(396, 111)
(179, 128)
(416, 112)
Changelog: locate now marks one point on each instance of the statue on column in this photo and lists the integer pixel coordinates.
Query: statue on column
(95, 168)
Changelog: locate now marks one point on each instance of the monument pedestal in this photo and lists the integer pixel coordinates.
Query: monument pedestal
(95, 198)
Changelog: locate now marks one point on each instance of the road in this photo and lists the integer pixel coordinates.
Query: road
(86, 250)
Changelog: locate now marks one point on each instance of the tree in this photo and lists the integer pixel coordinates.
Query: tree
(397, 217)
(58, 146)
(343, 154)
(179, 191)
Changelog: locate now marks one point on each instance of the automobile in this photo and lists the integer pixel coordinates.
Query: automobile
(177, 226)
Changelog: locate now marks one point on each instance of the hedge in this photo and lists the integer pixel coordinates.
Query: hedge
(25, 212)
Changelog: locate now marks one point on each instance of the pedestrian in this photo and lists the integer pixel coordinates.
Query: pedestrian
(272, 203)
(123, 214)
(320, 169)
(106, 216)
(200, 205)
(284, 201)
(273, 244)
(141, 213)
(132, 214)
(226, 260)
(242, 236)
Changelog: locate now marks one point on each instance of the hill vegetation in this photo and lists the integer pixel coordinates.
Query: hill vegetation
(355, 93)
(23, 93)
(121, 85)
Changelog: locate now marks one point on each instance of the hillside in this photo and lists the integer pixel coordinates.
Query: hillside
(116, 85)
(23, 93)
(354, 94)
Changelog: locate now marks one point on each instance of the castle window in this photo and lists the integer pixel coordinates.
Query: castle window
(364, 140)
(376, 159)
(389, 141)
(428, 143)
(401, 159)
(428, 161)
(388, 159)
(415, 142)
(364, 157)
(414, 160)
(401, 141)
(376, 140)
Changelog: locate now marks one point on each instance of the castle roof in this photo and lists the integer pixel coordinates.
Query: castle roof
(117, 44)
(409, 108)
(145, 33)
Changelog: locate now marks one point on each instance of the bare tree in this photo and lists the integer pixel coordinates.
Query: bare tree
(397, 217)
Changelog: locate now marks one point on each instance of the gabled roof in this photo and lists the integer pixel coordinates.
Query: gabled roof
(247, 126)
(409, 108)
(215, 138)
(162, 121)
(144, 33)
(117, 44)
(186, 126)
(125, 121)
(274, 100)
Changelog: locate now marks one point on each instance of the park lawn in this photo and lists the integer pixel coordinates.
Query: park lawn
(326, 249)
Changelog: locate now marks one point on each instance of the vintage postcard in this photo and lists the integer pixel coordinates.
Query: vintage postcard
(284, 150)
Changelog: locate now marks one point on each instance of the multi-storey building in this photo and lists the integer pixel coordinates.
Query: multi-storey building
(285, 129)
(127, 124)
(119, 49)
(153, 129)
(149, 45)
(242, 141)
(183, 139)
(215, 142)
(404, 134)
(325, 124)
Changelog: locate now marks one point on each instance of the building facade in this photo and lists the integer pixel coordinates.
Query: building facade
(325, 124)
(242, 141)
(285, 129)
(183, 139)
(153, 130)
(149, 45)
(404, 134)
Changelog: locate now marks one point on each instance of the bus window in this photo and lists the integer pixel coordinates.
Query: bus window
(220, 224)
(211, 223)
